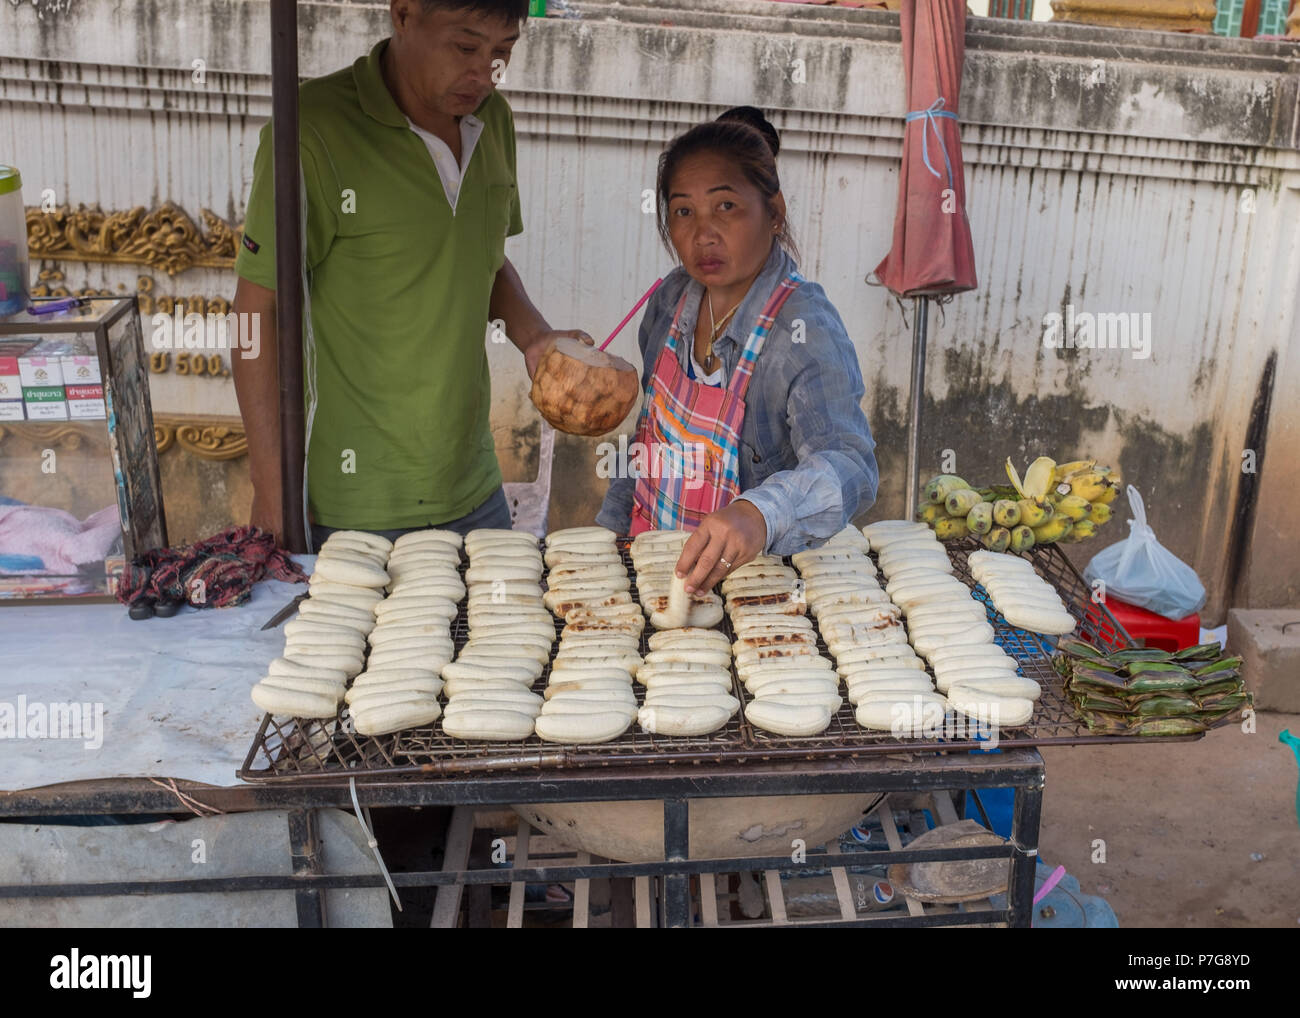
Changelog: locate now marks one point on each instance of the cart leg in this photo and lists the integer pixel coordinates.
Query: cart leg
(515, 911)
(709, 899)
(840, 876)
(775, 897)
(304, 850)
(622, 911)
(582, 896)
(446, 905)
(886, 813)
(478, 897)
(677, 887)
(944, 811)
(644, 916)
(1024, 835)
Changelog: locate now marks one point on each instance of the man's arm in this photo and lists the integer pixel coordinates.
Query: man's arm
(257, 387)
(525, 325)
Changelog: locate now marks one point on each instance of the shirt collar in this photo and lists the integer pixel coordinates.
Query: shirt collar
(778, 265)
(373, 94)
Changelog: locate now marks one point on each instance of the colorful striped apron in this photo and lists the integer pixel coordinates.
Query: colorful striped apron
(689, 433)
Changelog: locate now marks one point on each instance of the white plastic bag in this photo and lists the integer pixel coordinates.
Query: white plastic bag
(1142, 571)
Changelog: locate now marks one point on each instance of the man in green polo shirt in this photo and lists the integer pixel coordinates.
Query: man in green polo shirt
(408, 168)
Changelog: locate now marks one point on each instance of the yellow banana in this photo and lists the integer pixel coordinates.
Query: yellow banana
(959, 503)
(1089, 485)
(1107, 496)
(1022, 538)
(997, 539)
(1031, 513)
(1014, 477)
(980, 519)
(1038, 478)
(1006, 513)
(1073, 506)
(932, 514)
(1053, 530)
(939, 488)
(950, 529)
(1083, 530)
(1064, 470)
(1099, 513)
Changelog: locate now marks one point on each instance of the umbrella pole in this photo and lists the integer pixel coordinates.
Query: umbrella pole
(920, 319)
(288, 266)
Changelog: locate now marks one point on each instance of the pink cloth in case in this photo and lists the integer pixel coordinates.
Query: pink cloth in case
(60, 540)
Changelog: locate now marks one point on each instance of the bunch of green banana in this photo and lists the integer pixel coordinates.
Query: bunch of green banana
(1148, 691)
(1064, 502)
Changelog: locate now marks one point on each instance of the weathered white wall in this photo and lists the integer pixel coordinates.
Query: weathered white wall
(1116, 171)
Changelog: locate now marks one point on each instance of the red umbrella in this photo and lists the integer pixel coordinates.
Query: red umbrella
(932, 252)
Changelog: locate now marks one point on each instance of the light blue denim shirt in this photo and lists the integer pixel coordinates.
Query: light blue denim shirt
(806, 452)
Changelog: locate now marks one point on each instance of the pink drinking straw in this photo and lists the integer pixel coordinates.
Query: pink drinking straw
(1049, 883)
(635, 308)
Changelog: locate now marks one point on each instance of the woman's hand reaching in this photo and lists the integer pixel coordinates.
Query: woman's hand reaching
(723, 541)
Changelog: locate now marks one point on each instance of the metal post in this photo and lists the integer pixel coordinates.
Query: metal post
(304, 850)
(1025, 818)
(288, 265)
(677, 844)
(920, 318)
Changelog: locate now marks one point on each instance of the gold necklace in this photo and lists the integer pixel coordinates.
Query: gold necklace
(716, 328)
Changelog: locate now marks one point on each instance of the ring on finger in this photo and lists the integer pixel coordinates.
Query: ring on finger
(724, 561)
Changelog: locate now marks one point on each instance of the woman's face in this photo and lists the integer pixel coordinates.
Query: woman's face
(718, 221)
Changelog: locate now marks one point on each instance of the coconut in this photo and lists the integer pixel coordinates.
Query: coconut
(581, 390)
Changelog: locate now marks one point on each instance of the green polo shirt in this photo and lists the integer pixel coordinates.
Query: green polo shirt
(395, 366)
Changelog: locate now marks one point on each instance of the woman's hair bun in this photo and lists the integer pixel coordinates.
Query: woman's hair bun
(753, 116)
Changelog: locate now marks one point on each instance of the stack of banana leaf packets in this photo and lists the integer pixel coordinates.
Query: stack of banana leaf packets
(1148, 691)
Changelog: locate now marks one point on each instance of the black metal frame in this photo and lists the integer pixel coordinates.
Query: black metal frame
(1021, 769)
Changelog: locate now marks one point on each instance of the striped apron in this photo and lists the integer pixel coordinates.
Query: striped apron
(689, 433)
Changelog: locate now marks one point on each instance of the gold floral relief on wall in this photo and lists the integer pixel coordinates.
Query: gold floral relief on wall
(213, 439)
(164, 238)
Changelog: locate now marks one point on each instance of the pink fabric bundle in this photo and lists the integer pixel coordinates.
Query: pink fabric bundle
(59, 539)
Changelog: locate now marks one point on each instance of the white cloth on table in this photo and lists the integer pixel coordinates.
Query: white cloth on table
(174, 692)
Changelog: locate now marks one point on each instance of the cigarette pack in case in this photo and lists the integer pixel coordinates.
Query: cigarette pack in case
(45, 403)
(85, 402)
(11, 390)
(39, 371)
(81, 371)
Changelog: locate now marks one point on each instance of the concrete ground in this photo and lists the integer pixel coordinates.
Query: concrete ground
(1196, 835)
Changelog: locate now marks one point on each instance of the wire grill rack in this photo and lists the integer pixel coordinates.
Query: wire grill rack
(304, 748)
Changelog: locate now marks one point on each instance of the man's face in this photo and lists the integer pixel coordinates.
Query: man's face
(449, 57)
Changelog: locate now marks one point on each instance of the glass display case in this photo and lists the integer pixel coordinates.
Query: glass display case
(80, 493)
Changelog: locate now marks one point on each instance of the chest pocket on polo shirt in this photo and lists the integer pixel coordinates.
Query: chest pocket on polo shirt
(496, 222)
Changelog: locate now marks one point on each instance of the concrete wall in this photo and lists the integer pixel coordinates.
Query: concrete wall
(1111, 171)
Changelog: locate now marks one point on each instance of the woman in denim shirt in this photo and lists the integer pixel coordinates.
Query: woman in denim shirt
(752, 410)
